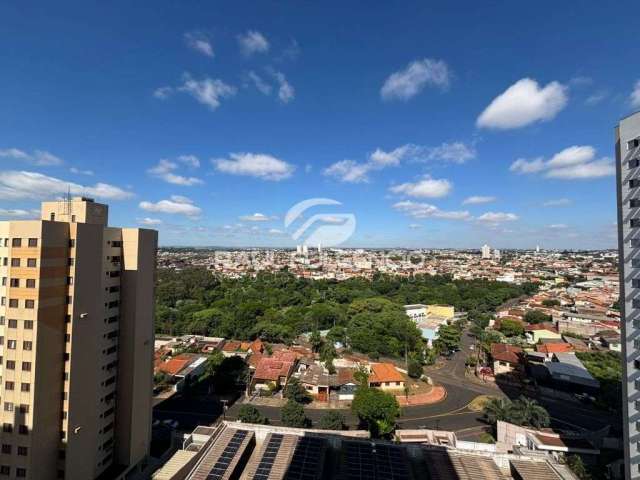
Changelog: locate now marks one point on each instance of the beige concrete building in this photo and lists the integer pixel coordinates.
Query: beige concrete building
(76, 344)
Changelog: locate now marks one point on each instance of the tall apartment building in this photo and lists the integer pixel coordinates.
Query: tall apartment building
(628, 189)
(76, 344)
(485, 250)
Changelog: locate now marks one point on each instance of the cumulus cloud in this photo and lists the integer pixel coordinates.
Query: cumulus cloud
(208, 91)
(176, 204)
(576, 162)
(253, 42)
(37, 157)
(558, 202)
(477, 200)
(20, 185)
(257, 217)
(406, 84)
(497, 217)
(557, 226)
(199, 42)
(286, 92)
(165, 170)
(189, 160)
(349, 171)
(163, 93)
(17, 213)
(78, 171)
(259, 165)
(261, 85)
(524, 103)
(426, 210)
(635, 95)
(427, 187)
(456, 152)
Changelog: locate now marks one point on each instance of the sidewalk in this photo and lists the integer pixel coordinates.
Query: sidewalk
(437, 394)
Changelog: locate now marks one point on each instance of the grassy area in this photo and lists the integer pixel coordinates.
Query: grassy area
(478, 403)
(606, 367)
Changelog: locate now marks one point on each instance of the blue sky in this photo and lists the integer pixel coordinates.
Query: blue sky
(436, 125)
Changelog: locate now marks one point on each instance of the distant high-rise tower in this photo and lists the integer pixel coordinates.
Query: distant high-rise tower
(305, 250)
(496, 254)
(76, 329)
(486, 251)
(628, 189)
(299, 249)
(537, 248)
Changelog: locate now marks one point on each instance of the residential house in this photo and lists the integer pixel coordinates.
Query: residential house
(536, 332)
(386, 377)
(506, 358)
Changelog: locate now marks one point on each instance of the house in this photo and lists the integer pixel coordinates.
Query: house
(536, 332)
(548, 349)
(567, 370)
(273, 371)
(318, 382)
(385, 376)
(234, 348)
(182, 368)
(506, 358)
(610, 339)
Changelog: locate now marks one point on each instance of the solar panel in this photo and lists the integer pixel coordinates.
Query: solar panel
(268, 457)
(222, 464)
(374, 462)
(307, 460)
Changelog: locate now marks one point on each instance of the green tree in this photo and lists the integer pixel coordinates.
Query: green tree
(292, 415)
(415, 368)
(294, 391)
(575, 463)
(212, 364)
(550, 302)
(536, 316)
(496, 409)
(250, 414)
(332, 420)
(316, 341)
(511, 328)
(448, 338)
(361, 376)
(528, 412)
(376, 409)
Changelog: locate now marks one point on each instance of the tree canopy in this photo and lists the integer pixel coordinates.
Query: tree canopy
(376, 409)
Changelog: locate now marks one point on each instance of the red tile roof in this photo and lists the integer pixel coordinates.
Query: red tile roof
(541, 326)
(384, 372)
(505, 353)
(554, 348)
(173, 366)
(272, 369)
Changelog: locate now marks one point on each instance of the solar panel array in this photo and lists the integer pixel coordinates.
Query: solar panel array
(374, 462)
(307, 460)
(268, 457)
(220, 468)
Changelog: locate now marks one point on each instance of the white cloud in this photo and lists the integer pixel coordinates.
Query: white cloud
(524, 103)
(78, 171)
(391, 158)
(253, 42)
(190, 160)
(427, 187)
(635, 95)
(207, 91)
(38, 157)
(149, 221)
(15, 213)
(200, 43)
(165, 169)
(349, 171)
(407, 83)
(477, 200)
(596, 98)
(456, 152)
(559, 202)
(259, 165)
(497, 217)
(257, 217)
(286, 92)
(576, 162)
(163, 92)
(19, 185)
(599, 168)
(415, 226)
(177, 204)
(261, 85)
(426, 210)
(557, 226)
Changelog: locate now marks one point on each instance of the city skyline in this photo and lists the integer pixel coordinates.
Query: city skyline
(208, 123)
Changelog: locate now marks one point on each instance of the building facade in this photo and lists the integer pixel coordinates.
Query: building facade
(76, 344)
(628, 191)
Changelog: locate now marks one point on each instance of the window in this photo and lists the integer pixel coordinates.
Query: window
(13, 303)
(4, 281)
(52, 217)
(29, 304)
(634, 182)
(23, 430)
(16, 242)
(70, 262)
(31, 262)
(31, 283)
(15, 262)
(73, 219)
(23, 408)
(9, 385)
(21, 472)
(5, 470)
(11, 344)
(635, 303)
(25, 387)
(69, 280)
(27, 345)
(8, 407)
(26, 366)
(3, 301)
(33, 242)
(28, 324)
(1, 320)
(6, 448)
(15, 283)
(69, 300)
(634, 162)
(72, 242)
(633, 144)
(7, 427)
(11, 365)
(22, 451)
(13, 323)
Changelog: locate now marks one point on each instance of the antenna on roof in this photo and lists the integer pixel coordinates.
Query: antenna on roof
(67, 205)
